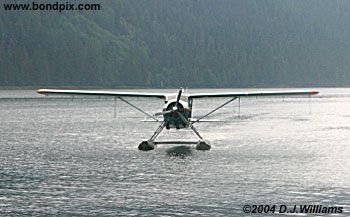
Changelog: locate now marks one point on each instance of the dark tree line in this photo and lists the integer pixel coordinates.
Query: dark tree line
(167, 43)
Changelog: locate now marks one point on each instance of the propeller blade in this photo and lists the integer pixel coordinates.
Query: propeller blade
(183, 118)
(178, 96)
(163, 113)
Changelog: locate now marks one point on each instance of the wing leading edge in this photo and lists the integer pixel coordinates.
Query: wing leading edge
(163, 96)
(254, 93)
(99, 93)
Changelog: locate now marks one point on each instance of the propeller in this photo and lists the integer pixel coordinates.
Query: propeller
(174, 108)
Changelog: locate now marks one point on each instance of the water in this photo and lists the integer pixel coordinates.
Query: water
(72, 157)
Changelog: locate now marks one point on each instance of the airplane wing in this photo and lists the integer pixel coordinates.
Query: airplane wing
(99, 93)
(253, 93)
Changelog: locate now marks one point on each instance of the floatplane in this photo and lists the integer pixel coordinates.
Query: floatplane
(177, 110)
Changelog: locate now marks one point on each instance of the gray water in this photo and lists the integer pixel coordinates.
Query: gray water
(63, 156)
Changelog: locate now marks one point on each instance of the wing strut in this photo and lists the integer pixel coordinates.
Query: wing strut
(115, 107)
(214, 110)
(239, 106)
(137, 108)
(309, 104)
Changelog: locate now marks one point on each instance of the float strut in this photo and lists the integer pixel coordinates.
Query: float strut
(157, 132)
(148, 145)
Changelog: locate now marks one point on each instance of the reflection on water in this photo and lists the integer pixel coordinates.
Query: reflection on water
(179, 151)
(72, 157)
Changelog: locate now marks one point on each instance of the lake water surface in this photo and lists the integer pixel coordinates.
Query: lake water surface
(71, 157)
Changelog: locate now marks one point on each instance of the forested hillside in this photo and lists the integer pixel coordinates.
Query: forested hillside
(172, 43)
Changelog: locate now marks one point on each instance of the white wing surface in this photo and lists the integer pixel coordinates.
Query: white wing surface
(254, 93)
(99, 93)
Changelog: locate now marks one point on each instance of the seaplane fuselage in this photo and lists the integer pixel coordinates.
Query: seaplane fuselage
(183, 106)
